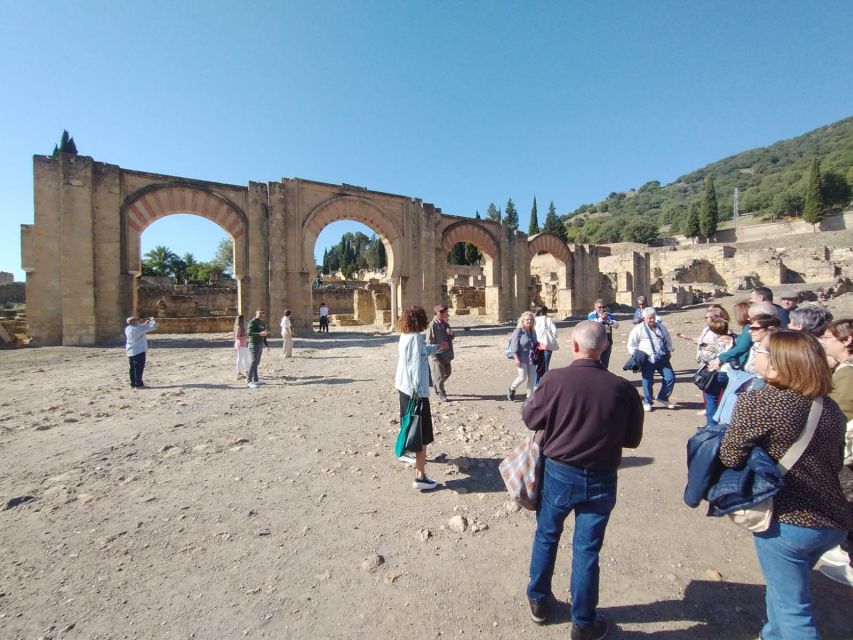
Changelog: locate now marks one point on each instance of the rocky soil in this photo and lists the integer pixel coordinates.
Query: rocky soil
(198, 508)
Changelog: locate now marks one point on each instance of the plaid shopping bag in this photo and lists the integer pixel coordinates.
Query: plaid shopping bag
(522, 472)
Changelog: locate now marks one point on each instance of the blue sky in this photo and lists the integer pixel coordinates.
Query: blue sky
(457, 103)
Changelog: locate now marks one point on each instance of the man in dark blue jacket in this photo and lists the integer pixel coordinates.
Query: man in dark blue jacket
(588, 415)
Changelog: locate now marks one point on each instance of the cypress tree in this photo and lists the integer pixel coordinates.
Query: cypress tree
(534, 220)
(813, 209)
(477, 215)
(708, 216)
(691, 222)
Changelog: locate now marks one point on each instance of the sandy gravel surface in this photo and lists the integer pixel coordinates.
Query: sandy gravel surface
(198, 508)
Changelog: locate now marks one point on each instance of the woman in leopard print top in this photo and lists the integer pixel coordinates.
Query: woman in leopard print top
(810, 514)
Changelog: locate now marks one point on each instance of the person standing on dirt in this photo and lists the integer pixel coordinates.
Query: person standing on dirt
(324, 318)
(258, 333)
(137, 347)
(588, 415)
(439, 332)
(653, 339)
(603, 317)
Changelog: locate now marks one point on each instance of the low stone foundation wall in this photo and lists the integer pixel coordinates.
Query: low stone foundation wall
(204, 324)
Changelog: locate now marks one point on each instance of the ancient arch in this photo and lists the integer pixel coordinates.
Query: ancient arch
(480, 237)
(349, 207)
(554, 294)
(153, 202)
(82, 259)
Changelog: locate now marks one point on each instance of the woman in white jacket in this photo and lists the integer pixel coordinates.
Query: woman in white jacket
(412, 379)
(546, 339)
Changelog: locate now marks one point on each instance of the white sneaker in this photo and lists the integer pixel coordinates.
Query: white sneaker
(667, 404)
(835, 556)
(408, 458)
(424, 484)
(252, 385)
(844, 575)
(647, 407)
(700, 413)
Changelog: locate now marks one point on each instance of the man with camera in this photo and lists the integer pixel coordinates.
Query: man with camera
(137, 347)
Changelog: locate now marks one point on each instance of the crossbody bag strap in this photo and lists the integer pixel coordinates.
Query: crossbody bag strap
(797, 449)
(651, 340)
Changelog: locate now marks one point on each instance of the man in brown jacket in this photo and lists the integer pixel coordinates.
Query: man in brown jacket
(588, 415)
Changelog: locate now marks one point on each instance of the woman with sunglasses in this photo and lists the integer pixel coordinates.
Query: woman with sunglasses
(760, 327)
(810, 514)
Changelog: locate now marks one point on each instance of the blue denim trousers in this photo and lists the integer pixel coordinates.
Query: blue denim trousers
(664, 368)
(592, 496)
(787, 554)
(542, 369)
(712, 397)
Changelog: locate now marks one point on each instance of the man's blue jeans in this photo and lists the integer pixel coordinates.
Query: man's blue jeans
(648, 372)
(787, 554)
(592, 496)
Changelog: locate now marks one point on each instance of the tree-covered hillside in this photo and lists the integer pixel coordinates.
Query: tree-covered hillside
(772, 182)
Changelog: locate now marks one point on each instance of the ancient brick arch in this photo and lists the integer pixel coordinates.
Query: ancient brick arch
(477, 234)
(549, 244)
(360, 209)
(470, 232)
(153, 202)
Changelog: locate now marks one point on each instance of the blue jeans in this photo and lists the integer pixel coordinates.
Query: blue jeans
(712, 397)
(648, 372)
(137, 368)
(787, 554)
(542, 368)
(592, 496)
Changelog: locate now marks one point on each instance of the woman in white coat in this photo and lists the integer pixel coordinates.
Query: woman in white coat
(412, 380)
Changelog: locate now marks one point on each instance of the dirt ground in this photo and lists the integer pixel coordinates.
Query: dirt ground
(198, 508)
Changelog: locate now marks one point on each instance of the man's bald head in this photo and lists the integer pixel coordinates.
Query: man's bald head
(588, 339)
(761, 307)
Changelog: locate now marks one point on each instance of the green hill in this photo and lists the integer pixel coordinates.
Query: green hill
(771, 180)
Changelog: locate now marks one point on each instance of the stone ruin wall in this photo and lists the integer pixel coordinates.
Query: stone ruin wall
(695, 273)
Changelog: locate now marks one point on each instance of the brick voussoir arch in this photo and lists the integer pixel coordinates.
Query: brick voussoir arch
(348, 207)
(469, 232)
(548, 243)
(156, 201)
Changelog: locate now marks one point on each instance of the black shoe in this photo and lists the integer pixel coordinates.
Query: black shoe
(538, 610)
(597, 631)
(510, 394)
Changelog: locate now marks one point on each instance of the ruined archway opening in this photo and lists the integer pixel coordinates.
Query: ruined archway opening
(186, 275)
(464, 282)
(548, 276)
(351, 276)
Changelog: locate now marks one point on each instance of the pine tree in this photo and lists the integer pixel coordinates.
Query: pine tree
(477, 215)
(691, 222)
(472, 254)
(813, 208)
(326, 262)
(492, 213)
(510, 219)
(709, 214)
(554, 225)
(534, 220)
(457, 254)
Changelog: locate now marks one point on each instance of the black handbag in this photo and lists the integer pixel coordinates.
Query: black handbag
(704, 377)
(414, 435)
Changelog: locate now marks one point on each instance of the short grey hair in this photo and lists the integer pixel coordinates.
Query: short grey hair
(590, 337)
(813, 320)
(649, 311)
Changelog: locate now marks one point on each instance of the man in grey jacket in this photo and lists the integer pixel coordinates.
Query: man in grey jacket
(137, 347)
(439, 332)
